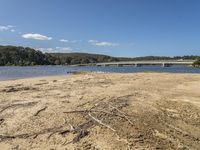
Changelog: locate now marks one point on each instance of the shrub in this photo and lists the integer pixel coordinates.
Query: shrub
(197, 62)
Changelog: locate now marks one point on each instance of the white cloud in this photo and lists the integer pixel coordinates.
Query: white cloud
(10, 26)
(46, 50)
(75, 41)
(64, 49)
(92, 41)
(70, 41)
(3, 28)
(56, 50)
(98, 43)
(7, 28)
(63, 40)
(105, 44)
(36, 36)
(12, 30)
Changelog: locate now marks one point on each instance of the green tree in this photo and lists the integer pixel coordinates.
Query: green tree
(197, 62)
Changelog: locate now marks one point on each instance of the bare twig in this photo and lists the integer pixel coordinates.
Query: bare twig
(101, 111)
(71, 128)
(80, 135)
(86, 111)
(100, 122)
(1, 121)
(79, 129)
(27, 135)
(50, 135)
(122, 114)
(18, 105)
(43, 109)
(62, 132)
(75, 111)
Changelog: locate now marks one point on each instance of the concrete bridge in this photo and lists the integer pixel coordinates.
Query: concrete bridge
(163, 63)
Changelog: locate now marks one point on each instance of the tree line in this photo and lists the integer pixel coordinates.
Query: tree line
(25, 56)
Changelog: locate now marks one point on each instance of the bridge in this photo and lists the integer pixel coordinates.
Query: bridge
(163, 63)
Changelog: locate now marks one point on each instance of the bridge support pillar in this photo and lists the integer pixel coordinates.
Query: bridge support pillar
(136, 65)
(119, 65)
(166, 65)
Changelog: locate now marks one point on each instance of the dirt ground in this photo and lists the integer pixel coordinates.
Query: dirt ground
(101, 112)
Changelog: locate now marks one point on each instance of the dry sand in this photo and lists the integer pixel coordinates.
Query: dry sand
(101, 111)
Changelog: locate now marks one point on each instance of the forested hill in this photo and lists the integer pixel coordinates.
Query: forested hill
(21, 56)
(11, 55)
(82, 58)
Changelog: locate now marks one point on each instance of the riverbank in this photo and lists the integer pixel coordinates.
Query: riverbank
(101, 111)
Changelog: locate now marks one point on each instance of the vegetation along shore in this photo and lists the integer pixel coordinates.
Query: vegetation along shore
(25, 56)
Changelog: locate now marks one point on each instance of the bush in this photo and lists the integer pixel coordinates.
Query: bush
(197, 62)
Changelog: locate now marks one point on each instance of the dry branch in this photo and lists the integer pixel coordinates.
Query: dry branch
(27, 135)
(124, 115)
(101, 111)
(18, 105)
(100, 122)
(86, 111)
(1, 121)
(43, 109)
(60, 130)
(80, 135)
(75, 111)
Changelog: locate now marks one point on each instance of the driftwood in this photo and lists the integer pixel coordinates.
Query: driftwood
(43, 109)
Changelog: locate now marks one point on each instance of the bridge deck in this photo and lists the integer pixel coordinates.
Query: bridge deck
(140, 63)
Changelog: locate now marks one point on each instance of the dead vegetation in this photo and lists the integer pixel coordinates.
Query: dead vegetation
(100, 114)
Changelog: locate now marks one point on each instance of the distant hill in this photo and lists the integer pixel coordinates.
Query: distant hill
(25, 56)
(82, 58)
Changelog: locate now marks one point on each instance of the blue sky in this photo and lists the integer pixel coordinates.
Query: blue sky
(113, 27)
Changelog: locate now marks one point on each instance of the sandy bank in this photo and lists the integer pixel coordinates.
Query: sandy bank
(101, 111)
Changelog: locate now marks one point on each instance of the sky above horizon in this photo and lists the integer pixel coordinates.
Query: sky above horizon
(127, 28)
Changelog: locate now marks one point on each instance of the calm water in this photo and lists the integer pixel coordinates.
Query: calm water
(7, 73)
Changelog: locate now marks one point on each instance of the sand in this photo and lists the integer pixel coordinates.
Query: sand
(101, 112)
